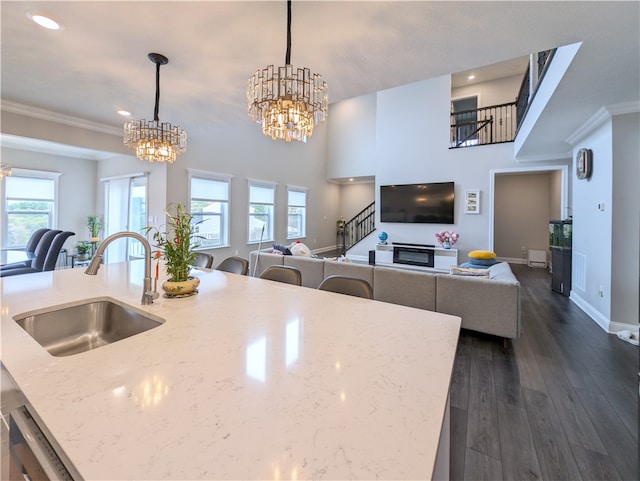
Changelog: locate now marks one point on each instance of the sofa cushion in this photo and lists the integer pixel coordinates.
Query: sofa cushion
(361, 271)
(469, 271)
(265, 260)
(502, 272)
(311, 268)
(405, 287)
(481, 262)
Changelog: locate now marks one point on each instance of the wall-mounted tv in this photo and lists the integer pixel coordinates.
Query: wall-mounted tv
(430, 203)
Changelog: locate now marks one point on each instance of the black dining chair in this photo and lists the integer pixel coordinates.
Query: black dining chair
(286, 274)
(234, 265)
(41, 252)
(351, 286)
(54, 250)
(29, 250)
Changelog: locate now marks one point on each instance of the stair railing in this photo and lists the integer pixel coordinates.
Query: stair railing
(357, 228)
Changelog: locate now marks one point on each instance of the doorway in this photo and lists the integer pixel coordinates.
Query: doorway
(465, 118)
(125, 210)
(523, 201)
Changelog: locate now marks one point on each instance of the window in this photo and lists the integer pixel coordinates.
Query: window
(297, 212)
(209, 205)
(261, 206)
(30, 204)
(125, 200)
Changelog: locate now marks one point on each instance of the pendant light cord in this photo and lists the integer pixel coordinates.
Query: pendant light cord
(155, 110)
(287, 60)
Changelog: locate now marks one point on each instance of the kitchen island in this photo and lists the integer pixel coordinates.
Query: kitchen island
(248, 379)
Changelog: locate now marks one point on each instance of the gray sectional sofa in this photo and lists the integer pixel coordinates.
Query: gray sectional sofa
(488, 305)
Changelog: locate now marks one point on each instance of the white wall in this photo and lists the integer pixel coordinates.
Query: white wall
(495, 92)
(555, 202)
(76, 187)
(625, 262)
(244, 152)
(241, 151)
(126, 165)
(412, 135)
(522, 205)
(352, 140)
(354, 197)
(592, 239)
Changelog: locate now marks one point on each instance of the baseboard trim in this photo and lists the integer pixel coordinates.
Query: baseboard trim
(590, 311)
(621, 326)
(512, 260)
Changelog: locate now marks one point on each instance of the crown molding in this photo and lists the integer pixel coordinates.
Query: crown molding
(602, 115)
(48, 115)
(52, 148)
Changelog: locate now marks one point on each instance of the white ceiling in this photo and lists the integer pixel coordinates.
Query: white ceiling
(98, 62)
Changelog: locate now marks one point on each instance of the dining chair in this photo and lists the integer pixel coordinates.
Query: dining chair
(351, 286)
(234, 265)
(286, 274)
(54, 250)
(29, 250)
(204, 261)
(37, 263)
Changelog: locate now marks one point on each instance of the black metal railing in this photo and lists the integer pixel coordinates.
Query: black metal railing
(522, 100)
(526, 95)
(487, 125)
(356, 229)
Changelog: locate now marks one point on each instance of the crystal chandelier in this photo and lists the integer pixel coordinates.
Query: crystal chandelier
(5, 170)
(288, 102)
(155, 141)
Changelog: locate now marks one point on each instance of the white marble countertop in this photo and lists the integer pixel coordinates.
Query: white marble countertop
(249, 379)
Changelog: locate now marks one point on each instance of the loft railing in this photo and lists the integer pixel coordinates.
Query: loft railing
(486, 125)
(356, 229)
(526, 95)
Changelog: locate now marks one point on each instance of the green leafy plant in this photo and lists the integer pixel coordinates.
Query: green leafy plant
(83, 248)
(94, 224)
(176, 244)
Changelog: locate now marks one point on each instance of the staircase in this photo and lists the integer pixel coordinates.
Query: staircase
(356, 229)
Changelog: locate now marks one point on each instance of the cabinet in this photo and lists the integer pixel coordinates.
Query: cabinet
(435, 258)
(560, 232)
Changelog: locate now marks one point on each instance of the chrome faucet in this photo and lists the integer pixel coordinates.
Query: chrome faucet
(148, 295)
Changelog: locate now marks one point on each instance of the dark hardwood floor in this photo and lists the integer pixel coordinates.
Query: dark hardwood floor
(561, 403)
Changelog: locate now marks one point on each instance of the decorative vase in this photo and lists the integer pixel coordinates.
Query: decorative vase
(181, 288)
(446, 245)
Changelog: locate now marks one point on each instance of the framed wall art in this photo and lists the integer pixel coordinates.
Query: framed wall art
(472, 201)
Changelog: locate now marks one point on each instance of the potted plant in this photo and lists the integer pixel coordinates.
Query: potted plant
(447, 238)
(95, 226)
(82, 249)
(175, 246)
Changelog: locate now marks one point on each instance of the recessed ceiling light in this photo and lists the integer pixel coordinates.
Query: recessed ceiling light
(44, 21)
(471, 77)
(124, 113)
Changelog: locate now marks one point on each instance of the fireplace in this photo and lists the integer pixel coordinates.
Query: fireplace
(413, 255)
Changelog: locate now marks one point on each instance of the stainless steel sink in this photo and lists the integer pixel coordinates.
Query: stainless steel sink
(93, 323)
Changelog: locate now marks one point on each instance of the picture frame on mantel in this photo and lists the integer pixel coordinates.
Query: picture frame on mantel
(472, 201)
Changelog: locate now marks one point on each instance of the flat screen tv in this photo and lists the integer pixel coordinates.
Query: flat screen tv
(430, 203)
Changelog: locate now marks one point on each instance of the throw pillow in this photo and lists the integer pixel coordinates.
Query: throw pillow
(480, 254)
(482, 262)
(468, 271)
